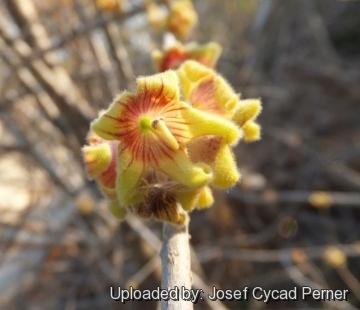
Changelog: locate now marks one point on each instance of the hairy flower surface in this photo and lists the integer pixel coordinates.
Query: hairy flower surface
(245, 116)
(154, 127)
(174, 56)
(207, 91)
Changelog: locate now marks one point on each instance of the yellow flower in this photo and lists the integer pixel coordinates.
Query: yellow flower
(206, 90)
(174, 56)
(209, 92)
(182, 18)
(154, 127)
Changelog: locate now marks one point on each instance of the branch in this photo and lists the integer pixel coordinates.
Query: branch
(176, 264)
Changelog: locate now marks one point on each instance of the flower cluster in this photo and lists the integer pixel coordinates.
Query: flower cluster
(158, 154)
(179, 17)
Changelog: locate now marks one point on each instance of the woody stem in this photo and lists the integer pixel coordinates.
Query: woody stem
(176, 264)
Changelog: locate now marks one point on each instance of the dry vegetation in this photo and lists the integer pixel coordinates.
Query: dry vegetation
(62, 61)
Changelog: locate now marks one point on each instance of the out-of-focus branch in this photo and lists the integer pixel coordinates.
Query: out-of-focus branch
(333, 199)
(209, 253)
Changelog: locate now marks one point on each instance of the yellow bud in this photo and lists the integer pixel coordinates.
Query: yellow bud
(335, 257)
(182, 18)
(298, 256)
(321, 199)
(85, 204)
(156, 15)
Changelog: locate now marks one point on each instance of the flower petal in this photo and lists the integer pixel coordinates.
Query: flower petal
(179, 167)
(205, 149)
(225, 95)
(130, 171)
(190, 73)
(167, 82)
(247, 110)
(116, 210)
(207, 90)
(96, 158)
(206, 198)
(226, 173)
(201, 124)
(188, 199)
(108, 125)
(252, 131)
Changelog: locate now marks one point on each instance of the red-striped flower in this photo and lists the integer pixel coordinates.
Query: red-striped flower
(154, 127)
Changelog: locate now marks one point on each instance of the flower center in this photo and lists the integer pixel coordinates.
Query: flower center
(145, 123)
(158, 127)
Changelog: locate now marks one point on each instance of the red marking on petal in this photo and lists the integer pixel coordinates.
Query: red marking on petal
(111, 117)
(203, 98)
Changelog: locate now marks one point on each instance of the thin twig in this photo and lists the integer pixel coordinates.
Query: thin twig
(148, 235)
(296, 197)
(209, 253)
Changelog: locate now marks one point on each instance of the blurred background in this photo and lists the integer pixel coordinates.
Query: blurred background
(292, 221)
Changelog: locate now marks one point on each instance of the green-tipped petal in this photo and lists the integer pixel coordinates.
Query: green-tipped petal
(226, 173)
(180, 168)
(129, 173)
(96, 158)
